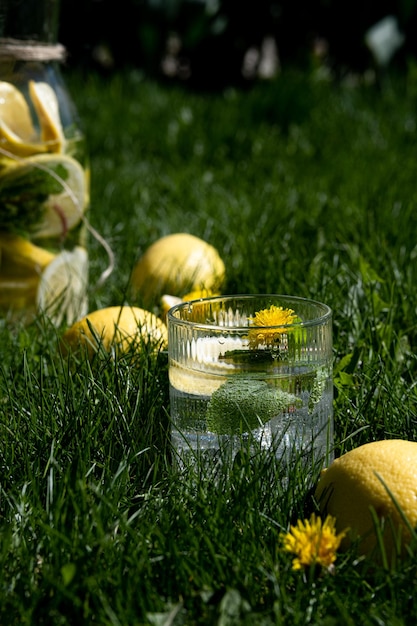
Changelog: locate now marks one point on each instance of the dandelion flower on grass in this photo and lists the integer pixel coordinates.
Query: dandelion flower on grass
(272, 318)
(313, 542)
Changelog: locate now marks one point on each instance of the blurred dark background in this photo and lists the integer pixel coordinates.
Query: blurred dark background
(212, 43)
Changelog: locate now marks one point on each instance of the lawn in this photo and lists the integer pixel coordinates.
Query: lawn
(305, 187)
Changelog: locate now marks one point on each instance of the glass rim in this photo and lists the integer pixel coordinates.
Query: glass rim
(316, 321)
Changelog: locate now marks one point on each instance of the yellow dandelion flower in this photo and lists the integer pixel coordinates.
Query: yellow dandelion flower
(313, 542)
(275, 318)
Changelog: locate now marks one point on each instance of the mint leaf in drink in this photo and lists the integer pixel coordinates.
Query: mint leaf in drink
(242, 404)
(237, 357)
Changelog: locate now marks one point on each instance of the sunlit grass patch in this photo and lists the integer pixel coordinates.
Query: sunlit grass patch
(304, 188)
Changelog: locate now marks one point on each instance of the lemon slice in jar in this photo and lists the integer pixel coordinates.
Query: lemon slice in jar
(21, 264)
(19, 256)
(17, 293)
(47, 109)
(14, 111)
(17, 133)
(61, 211)
(62, 287)
(45, 195)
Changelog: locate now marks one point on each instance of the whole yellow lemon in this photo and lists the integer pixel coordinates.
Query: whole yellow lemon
(377, 478)
(177, 264)
(115, 328)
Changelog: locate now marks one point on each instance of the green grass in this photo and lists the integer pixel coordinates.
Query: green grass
(305, 188)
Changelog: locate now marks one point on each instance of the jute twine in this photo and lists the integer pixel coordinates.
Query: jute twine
(29, 50)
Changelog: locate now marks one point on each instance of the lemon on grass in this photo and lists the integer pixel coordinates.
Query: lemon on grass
(177, 264)
(115, 328)
(62, 291)
(377, 478)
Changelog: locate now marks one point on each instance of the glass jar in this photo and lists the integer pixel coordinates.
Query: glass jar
(44, 172)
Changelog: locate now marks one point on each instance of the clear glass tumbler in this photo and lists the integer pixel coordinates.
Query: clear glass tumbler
(251, 370)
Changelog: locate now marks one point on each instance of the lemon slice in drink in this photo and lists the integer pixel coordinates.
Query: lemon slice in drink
(64, 210)
(13, 144)
(47, 109)
(62, 287)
